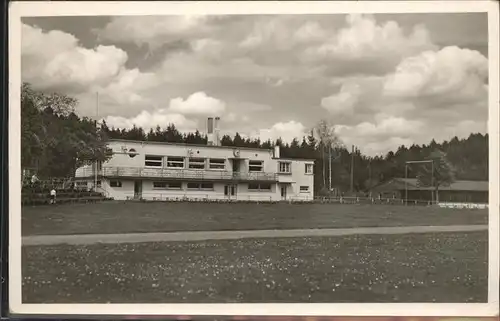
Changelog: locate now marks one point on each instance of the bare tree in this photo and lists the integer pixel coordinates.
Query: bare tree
(328, 140)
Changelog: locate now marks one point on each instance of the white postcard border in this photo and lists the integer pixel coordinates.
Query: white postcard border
(104, 8)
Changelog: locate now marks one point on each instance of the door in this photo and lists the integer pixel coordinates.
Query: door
(283, 192)
(230, 191)
(138, 189)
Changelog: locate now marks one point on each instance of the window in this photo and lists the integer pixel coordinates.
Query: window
(216, 163)
(304, 189)
(154, 161)
(255, 166)
(309, 169)
(207, 185)
(167, 185)
(175, 162)
(253, 186)
(259, 187)
(285, 167)
(197, 163)
(115, 183)
(265, 187)
(200, 186)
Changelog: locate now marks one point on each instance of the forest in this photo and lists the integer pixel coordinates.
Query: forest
(55, 141)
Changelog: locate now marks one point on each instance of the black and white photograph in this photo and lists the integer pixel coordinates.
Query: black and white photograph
(255, 154)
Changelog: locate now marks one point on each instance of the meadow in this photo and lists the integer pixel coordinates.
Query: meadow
(437, 267)
(135, 217)
(414, 267)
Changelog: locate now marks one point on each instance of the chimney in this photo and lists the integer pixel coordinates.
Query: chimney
(216, 132)
(210, 131)
(277, 151)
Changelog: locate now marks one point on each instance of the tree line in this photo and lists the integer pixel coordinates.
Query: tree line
(55, 141)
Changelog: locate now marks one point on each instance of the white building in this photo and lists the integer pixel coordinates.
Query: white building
(170, 171)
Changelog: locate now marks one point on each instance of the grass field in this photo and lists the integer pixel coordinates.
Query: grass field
(441, 267)
(129, 217)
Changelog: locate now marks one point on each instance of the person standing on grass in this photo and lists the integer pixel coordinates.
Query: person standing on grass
(52, 196)
(34, 182)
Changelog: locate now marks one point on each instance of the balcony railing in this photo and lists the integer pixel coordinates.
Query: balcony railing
(188, 174)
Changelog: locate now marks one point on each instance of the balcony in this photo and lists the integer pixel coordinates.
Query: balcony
(177, 174)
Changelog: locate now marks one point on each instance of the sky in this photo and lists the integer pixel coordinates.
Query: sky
(383, 80)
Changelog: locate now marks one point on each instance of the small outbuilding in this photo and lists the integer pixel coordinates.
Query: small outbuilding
(457, 192)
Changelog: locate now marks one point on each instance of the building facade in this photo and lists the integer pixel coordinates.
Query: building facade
(168, 171)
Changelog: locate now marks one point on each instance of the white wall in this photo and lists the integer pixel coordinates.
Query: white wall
(299, 178)
(149, 192)
(118, 193)
(119, 159)
(143, 149)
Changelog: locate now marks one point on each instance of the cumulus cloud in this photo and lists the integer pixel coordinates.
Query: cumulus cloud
(382, 79)
(428, 96)
(55, 59)
(287, 131)
(148, 120)
(279, 49)
(344, 101)
(198, 103)
(154, 30)
(364, 41)
(385, 127)
(450, 71)
(385, 134)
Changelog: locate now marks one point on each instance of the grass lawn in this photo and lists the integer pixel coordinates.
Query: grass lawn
(440, 267)
(129, 217)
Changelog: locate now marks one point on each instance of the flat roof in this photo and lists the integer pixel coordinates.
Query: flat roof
(186, 144)
(209, 146)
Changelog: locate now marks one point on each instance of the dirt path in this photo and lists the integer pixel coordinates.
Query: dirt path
(228, 235)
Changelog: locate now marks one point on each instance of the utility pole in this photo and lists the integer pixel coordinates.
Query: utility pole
(433, 197)
(370, 176)
(352, 170)
(406, 183)
(330, 168)
(95, 163)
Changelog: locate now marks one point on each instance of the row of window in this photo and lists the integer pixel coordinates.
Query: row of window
(216, 163)
(204, 186)
(179, 162)
(286, 168)
(178, 185)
